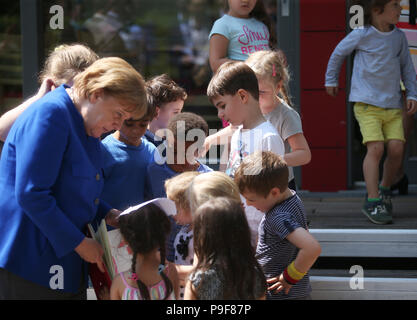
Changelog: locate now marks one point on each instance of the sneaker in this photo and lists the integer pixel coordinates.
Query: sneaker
(377, 212)
(386, 196)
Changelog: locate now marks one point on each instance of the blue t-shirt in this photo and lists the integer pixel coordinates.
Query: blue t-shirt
(125, 171)
(245, 36)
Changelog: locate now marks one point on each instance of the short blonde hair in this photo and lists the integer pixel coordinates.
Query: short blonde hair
(116, 78)
(66, 61)
(211, 185)
(176, 188)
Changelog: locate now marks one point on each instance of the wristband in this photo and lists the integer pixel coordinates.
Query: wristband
(292, 275)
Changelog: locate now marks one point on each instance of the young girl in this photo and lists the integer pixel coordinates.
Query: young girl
(244, 29)
(226, 267)
(273, 78)
(182, 243)
(145, 230)
(61, 66)
(382, 60)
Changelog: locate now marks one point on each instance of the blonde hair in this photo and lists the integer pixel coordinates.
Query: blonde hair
(271, 66)
(66, 61)
(211, 185)
(176, 188)
(116, 78)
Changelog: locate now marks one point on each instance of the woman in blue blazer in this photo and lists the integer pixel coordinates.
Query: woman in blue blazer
(51, 182)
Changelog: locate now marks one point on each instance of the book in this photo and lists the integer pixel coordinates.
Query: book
(117, 257)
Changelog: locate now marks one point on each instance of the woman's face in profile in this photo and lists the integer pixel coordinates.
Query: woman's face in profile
(103, 113)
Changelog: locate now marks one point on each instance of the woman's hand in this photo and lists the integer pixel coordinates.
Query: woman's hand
(91, 251)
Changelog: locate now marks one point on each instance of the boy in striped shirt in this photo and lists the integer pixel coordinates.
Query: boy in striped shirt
(285, 250)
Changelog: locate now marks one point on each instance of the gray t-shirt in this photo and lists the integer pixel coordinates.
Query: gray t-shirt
(287, 122)
(209, 285)
(382, 59)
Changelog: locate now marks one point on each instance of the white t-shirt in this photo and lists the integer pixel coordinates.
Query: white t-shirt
(245, 142)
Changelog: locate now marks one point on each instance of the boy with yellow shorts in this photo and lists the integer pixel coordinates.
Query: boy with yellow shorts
(382, 60)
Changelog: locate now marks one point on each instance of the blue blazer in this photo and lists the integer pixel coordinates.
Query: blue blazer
(50, 187)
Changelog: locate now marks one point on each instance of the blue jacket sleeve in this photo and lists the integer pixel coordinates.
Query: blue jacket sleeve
(342, 50)
(408, 72)
(40, 146)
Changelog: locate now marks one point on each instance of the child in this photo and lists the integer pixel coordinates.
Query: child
(61, 66)
(245, 28)
(167, 98)
(382, 59)
(179, 156)
(227, 268)
(183, 248)
(273, 79)
(126, 155)
(145, 229)
(286, 250)
(234, 92)
(176, 162)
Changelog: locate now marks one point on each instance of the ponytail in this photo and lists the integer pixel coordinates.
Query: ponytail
(259, 13)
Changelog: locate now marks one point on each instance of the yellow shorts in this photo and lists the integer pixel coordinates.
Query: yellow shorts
(379, 124)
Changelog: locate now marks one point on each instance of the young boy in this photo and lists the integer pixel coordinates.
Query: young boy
(382, 59)
(286, 250)
(126, 156)
(234, 92)
(167, 97)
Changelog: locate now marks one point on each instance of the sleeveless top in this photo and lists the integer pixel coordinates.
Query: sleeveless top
(156, 292)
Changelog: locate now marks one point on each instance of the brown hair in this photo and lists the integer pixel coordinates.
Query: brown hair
(222, 242)
(176, 188)
(66, 61)
(272, 67)
(368, 6)
(116, 78)
(162, 89)
(190, 120)
(230, 77)
(260, 172)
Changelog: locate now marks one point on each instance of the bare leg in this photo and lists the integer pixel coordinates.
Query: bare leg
(393, 162)
(375, 150)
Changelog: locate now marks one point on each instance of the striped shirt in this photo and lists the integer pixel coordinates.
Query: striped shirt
(274, 252)
(156, 292)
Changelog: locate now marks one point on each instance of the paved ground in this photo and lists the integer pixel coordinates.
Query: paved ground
(342, 210)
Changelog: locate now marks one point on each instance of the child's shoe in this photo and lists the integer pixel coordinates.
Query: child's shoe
(376, 212)
(386, 195)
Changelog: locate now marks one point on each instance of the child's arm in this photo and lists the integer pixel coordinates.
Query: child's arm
(223, 136)
(188, 293)
(117, 288)
(408, 75)
(218, 51)
(183, 272)
(173, 276)
(300, 151)
(342, 50)
(309, 252)
(7, 120)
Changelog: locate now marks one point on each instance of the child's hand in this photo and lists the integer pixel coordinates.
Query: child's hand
(46, 86)
(411, 106)
(279, 284)
(333, 91)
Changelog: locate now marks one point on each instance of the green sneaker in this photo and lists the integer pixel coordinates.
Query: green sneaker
(386, 196)
(377, 212)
